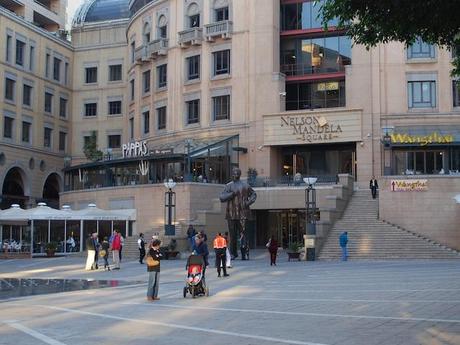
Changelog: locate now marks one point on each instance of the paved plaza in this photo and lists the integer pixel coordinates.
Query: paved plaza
(390, 302)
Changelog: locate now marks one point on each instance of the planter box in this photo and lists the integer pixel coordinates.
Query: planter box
(294, 256)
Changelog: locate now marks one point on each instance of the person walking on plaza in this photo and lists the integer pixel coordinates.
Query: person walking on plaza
(105, 246)
(191, 233)
(220, 248)
(122, 242)
(243, 246)
(153, 267)
(343, 241)
(201, 248)
(141, 245)
(70, 244)
(116, 245)
(91, 245)
(228, 257)
(373, 185)
(272, 246)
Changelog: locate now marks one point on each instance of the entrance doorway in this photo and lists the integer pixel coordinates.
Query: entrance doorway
(286, 226)
(14, 189)
(51, 190)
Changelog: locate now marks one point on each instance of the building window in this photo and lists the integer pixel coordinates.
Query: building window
(47, 137)
(115, 73)
(20, 46)
(194, 21)
(221, 107)
(66, 73)
(90, 109)
(63, 107)
(303, 15)
(62, 141)
(114, 141)
(133, 51)
(48, 102)
(9, 41)
(8, 127)
(32, 58)
(27, 95)
(221, 62)
(114, 107)
(456, 92)
(87, 140)
(91, 75)
(132, 89)
(163, 31)
(146, 118)
(10, 86)
(221, 14)
(193, 67)
(193, 111)
(161, 116)
(131, 128)
(421, 94)
(26, 127)
(146, 81)
(47, 65)
(315, 95)
(57, 69)
(420, 50)
(162, 72)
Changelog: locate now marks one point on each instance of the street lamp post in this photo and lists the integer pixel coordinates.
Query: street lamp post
(310, 208)
(170, 208)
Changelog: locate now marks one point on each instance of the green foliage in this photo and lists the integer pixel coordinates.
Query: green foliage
(90, 149)
(372, 22)
(295, 247)
(51, 246)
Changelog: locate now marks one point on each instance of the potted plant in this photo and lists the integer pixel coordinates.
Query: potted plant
(50, 249)
(252, 176)
(172, 252)
(294, 251)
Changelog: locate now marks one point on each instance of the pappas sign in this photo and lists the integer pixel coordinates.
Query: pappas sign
(409, 185)
(135, 149)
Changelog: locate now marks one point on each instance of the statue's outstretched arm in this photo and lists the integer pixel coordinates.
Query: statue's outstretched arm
(252, 196)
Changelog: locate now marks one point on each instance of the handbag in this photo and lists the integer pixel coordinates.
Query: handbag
(151, 262)
(102, 253)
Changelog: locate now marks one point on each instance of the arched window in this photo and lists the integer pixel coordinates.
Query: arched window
(146, 33)
(221, 10)
(193, 14)
(162, 27)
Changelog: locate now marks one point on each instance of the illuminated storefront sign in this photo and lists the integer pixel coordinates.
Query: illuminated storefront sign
(409, 185)
(311, 128)
(135, 149)
(422, 140)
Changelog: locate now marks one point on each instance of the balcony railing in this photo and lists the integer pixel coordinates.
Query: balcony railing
(308, 69)
(158, 47)
(222, 29)
(141, 53)
(289, 180)
(192, 36)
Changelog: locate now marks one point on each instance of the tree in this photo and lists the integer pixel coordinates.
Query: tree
(373, 22)
(90, 149)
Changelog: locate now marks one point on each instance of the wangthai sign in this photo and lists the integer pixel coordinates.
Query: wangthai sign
(311, 128)
(409, 185)
(422, 140)
(135, 149)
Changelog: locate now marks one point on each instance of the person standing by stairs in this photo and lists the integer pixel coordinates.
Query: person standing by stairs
(373, 185)
(343, 241)
(141, 245)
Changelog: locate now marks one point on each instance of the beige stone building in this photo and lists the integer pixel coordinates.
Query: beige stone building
(189, 89)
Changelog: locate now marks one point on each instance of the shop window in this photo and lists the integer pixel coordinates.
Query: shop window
(421, 94)
(420, 50)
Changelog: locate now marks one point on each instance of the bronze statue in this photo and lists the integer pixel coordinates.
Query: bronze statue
(239, 196)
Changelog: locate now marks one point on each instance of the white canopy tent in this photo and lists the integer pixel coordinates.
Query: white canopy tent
(35, 227)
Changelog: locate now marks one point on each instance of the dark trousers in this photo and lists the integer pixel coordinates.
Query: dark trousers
(374, 192)
(106, 261)
(234, 229)
(119, 252)
(244, 253)
(141, 254)
(221, 259)
(272, 258)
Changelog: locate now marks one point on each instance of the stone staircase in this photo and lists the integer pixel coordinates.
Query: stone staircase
(371, 238)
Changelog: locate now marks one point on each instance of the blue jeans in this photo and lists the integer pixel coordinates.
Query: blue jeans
(191, 242)
(344, 254)
(153, 284)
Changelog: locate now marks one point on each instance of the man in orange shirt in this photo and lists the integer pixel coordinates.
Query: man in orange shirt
(220, 247)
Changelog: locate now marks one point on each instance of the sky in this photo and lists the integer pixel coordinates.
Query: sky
(72, 6)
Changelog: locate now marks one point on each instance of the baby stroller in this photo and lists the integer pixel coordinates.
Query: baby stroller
(195, 283)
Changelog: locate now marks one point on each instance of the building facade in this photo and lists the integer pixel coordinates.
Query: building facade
(189, 89)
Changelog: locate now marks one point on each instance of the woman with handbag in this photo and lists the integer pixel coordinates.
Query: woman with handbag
(153, 267)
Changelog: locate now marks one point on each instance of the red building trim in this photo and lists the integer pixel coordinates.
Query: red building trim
(333, 30)
(325, 76)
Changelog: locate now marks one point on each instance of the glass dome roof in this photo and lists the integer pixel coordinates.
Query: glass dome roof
(92, 11)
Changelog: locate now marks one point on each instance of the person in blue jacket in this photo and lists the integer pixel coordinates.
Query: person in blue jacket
(343, 241)
(201, 248)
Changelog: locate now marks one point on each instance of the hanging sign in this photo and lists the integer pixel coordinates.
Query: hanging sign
(135, 149)
(409, 185)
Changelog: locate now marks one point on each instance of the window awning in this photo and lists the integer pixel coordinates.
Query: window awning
(422, 136)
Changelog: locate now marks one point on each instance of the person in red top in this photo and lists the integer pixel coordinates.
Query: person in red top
(272, 246)
(220, 247)
(116, 246)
